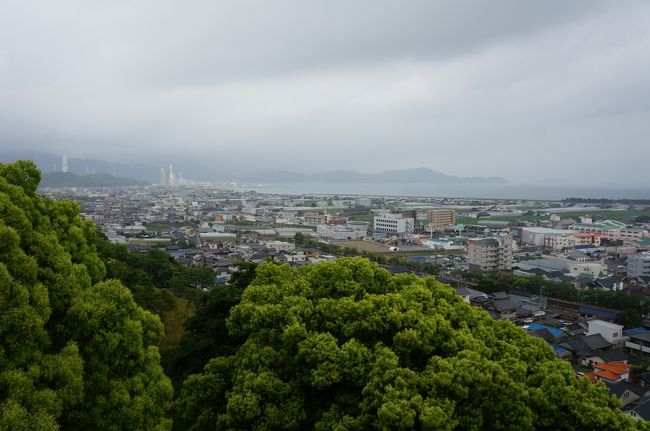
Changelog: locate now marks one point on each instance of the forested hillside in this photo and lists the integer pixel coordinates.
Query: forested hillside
(339, 345)
(76, 352)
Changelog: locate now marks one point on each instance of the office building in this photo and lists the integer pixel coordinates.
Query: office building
(395, 224)
(440, 219)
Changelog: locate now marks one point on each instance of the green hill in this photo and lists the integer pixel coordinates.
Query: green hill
(67, 179)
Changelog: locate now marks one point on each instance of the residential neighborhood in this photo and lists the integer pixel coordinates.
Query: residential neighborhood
(455, 239)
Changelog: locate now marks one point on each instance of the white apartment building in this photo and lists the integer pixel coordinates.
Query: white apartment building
(394, 224)
(490, 254)
(638, 264)
(536, 235)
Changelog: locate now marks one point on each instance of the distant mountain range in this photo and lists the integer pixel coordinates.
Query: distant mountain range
(67, 179)
(52, 163)
(417, 175)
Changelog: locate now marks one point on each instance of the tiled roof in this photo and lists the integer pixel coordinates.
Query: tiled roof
(605, 375)
(617, 367)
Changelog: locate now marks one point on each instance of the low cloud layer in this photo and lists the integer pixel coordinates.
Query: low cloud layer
(524, 90)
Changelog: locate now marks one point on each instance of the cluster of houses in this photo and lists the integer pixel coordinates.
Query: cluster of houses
(599, 349)
(216, 228)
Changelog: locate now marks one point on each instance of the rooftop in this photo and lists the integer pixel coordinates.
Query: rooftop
(613, 326)
(617, 367)
(534, 327)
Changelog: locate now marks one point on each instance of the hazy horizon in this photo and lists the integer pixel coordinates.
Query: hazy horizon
(528, 91)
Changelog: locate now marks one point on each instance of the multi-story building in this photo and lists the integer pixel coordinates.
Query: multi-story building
(599, 227)
(638, 264)
(561, 241)
(440, 219)
(612, 230)
(395, 224)
(626, 234)
(490, 254)
(339, 232)
(591, 238)
(557, 242)
(536, 235)
(314, 218)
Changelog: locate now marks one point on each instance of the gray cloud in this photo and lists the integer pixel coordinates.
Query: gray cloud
(526, 90)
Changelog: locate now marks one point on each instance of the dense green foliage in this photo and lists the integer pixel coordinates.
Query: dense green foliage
(343, 345)
(155, 279)
(68, 179)
(339, 345)
(76, 352)
(208, 324)
(632, 305)
(332, 249)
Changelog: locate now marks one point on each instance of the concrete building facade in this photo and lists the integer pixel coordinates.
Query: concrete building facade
(536, 235)
(638, 264)
(611, 332)
(394, 224)
(339, 232)
(440, 219)
(490, 254)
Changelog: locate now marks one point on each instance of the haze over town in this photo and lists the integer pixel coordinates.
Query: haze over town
(313, 215)
(529, 91)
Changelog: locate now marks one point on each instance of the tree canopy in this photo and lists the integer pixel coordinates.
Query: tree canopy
(339, 345)
(344, 345)
(206, 333)
(76, 352)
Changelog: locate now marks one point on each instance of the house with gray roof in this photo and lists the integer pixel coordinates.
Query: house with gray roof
(585, 347)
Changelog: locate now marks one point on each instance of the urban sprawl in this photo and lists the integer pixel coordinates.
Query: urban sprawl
(573, 272)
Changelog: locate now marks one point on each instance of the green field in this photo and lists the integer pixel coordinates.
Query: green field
(623, 215)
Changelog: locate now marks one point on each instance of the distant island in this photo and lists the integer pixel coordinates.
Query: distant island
(68, 179)
(417, 175)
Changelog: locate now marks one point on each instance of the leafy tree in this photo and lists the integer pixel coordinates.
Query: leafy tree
(154, 278)
(344, 345)
(299, 238)
(206, 333)
(75, 351)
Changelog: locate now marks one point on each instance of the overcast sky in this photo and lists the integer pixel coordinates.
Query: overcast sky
(527, 90)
